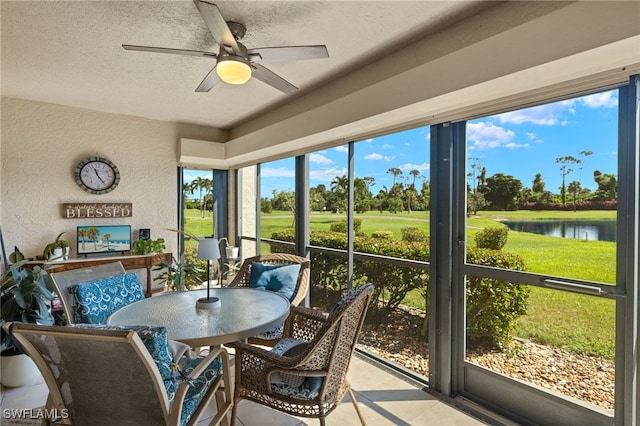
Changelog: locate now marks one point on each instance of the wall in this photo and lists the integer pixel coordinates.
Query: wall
(41, 145)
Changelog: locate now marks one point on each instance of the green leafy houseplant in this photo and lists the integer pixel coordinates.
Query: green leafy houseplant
(148, 246)
(58, 243)
(178, 276)
(16, 256)
(26, 296)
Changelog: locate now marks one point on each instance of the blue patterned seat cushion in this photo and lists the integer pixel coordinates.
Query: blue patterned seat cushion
(273, 334)
(299, 387)
(97, 300)
(199, 386)
(172, 373)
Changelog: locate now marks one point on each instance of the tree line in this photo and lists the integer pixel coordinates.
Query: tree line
(499, 191)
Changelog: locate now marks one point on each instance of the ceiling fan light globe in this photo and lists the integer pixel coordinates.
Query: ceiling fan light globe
(233, 71)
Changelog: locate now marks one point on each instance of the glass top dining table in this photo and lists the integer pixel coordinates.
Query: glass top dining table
(243, 313)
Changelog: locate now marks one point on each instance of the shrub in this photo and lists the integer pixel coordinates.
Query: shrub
(414, 234)
(266, 206)
(382, 235)
(492, 306)
(342, 226)
(492, 237)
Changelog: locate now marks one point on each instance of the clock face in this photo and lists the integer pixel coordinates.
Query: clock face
(97, 175)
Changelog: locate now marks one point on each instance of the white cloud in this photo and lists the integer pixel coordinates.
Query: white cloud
(531, 135)
(407, 144)
(597, 100)
(368, 140)
(487, 136)
(386, 146)
(376, 156)
(326, 175)
(341, 148)
(512, 145)
(546, 115)
(279, 172)
(556, 113)
(407, 167)
(320, 159)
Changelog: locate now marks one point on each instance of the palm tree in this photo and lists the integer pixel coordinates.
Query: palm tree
(200, 184)
(106, 237)
(92, 234)
(339, 184)
(82, 234)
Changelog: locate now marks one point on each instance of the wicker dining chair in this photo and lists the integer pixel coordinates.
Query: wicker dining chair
(304, 374)
(123, 375)
(243, 279)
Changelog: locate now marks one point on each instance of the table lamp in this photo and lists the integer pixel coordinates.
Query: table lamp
(208, 249)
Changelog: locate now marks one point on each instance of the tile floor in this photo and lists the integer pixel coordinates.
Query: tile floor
(384, 399)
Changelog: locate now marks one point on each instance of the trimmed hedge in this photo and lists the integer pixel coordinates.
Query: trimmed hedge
(584, 205)
(492, 237)
(342, 226)
(382, 235)
(415, 234)
(492, 305)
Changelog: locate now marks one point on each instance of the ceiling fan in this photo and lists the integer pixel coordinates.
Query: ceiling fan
(235, 64)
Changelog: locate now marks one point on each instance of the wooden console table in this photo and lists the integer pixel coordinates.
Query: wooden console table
(132, 262)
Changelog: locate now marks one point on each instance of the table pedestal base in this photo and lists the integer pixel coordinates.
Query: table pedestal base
(210, 303)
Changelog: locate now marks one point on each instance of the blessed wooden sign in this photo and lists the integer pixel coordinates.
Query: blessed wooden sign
(96, 210)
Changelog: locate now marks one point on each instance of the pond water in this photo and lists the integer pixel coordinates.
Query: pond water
(603, 230)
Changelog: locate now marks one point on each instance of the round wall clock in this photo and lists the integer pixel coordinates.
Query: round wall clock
(97, 175)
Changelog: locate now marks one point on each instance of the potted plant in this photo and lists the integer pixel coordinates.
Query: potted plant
(26, 296)
(231, 269)
(178, 276)
(16, 256)
(231, 251)
(57, 250)
(148, 246)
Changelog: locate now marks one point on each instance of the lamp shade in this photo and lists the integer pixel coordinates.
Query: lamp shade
(233, 69)
(208, 249)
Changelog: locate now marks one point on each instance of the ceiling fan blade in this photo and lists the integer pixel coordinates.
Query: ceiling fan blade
(272, 79)
(171, 51)
(210, 80)
(288, 53)
(218, 26)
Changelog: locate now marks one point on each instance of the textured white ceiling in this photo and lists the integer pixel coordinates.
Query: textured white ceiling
(69, 52)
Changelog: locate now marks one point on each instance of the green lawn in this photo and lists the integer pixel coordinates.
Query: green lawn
(196, 224)
(575, 322)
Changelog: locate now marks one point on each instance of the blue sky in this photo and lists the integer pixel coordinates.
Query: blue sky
(519, 143)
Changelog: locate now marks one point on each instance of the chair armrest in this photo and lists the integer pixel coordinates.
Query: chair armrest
(244, 350)
(206, 361)
(183, 387)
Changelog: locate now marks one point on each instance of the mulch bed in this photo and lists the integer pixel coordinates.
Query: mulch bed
(587, 378)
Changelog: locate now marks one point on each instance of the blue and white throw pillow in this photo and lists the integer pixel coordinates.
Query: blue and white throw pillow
(281, 279)
(97, 300)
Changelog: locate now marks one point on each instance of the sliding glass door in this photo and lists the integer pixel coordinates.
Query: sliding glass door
(542, 320)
